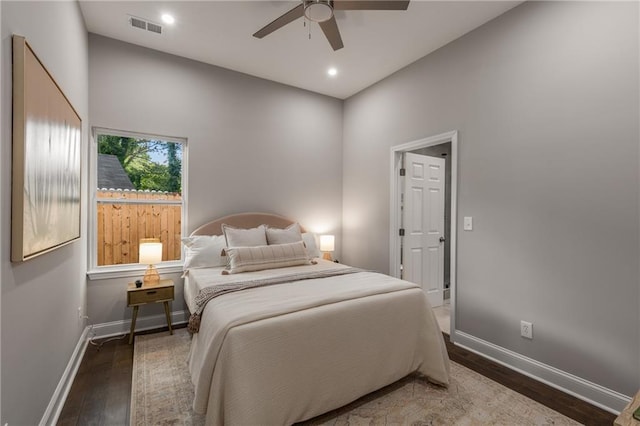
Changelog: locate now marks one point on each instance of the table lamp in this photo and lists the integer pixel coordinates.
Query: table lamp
(150, 254)
(327, 245)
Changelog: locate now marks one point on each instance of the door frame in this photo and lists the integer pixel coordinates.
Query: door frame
(395, 218)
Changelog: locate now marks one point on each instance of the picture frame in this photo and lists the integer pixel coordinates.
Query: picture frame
(46, 160)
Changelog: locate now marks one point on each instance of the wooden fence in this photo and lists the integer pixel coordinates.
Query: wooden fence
(122, 225)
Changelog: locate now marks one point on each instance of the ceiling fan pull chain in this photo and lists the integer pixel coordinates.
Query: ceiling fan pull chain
(304, 24)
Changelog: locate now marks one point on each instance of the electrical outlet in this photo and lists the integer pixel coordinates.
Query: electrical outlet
(80, 312)
(526, 329)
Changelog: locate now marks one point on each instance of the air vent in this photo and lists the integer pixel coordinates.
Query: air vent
(154, 28)
(145, 25)
(138, 23)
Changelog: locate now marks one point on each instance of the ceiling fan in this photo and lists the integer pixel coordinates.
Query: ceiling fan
(322, 12)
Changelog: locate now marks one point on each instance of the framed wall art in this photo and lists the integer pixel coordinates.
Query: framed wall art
(47, 134)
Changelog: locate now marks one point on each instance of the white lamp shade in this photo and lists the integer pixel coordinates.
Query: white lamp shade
(327, 243)
(150, 253)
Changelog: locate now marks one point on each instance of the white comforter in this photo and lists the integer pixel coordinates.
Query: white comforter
(288, 352)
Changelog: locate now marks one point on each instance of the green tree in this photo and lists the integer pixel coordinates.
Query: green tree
(174, 165)
(128, 149)
(135, 157)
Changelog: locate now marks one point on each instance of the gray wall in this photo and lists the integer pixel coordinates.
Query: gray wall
(40, 297)
(545, 99)
(253, 145)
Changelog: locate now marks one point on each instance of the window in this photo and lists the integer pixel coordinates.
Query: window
(138, 193)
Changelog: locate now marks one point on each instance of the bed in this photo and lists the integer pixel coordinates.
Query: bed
(280, 354)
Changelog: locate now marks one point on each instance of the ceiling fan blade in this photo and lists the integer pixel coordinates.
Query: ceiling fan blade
(280, 22)
(370, 4)
(330, 30)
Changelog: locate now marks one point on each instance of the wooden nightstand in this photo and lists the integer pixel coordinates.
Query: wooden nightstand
(626, 417)
(161, 292)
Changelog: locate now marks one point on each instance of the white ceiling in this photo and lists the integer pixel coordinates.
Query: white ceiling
(376, 43)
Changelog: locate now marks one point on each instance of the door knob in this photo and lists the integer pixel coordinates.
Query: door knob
(442, 239)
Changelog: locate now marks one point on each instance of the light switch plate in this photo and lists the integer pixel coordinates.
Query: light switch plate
(468, 223)
(526, 329)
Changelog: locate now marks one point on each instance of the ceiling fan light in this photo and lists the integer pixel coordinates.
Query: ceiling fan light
(318, 10)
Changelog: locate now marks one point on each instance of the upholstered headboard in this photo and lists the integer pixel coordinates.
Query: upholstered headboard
(244, 220)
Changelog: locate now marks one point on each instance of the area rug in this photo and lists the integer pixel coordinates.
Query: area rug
(162, 393)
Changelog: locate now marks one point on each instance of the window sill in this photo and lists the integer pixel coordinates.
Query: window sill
(131, 271)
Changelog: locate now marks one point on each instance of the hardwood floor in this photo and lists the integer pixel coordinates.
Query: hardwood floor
(566, 404)
(101, 392)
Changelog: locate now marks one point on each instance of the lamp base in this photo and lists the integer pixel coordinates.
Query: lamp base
(151, 276)
(327, 256)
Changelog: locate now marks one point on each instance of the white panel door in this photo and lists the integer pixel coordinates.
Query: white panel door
(423, 222)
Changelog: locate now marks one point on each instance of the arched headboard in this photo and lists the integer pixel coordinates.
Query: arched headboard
(244, 220)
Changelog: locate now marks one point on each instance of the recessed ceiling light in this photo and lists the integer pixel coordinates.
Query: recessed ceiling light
(332, 72)
(168, 19)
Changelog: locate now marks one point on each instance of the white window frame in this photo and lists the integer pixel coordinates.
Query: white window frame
(95, 272)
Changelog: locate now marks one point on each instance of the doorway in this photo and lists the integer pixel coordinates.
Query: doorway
(444, 146)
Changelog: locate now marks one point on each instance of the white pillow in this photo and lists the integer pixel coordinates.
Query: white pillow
(309, 239)
(244, 259)
(237, 237)
(291, 234)
(203, 251)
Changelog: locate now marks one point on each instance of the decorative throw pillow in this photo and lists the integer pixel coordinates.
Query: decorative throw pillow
(291, 234)
(244, 259)
(237, 237)
(309, 239)
(203, 251)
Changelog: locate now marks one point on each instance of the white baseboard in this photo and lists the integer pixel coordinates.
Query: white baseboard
(585, 390)
(52, 413)
(115, 328)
